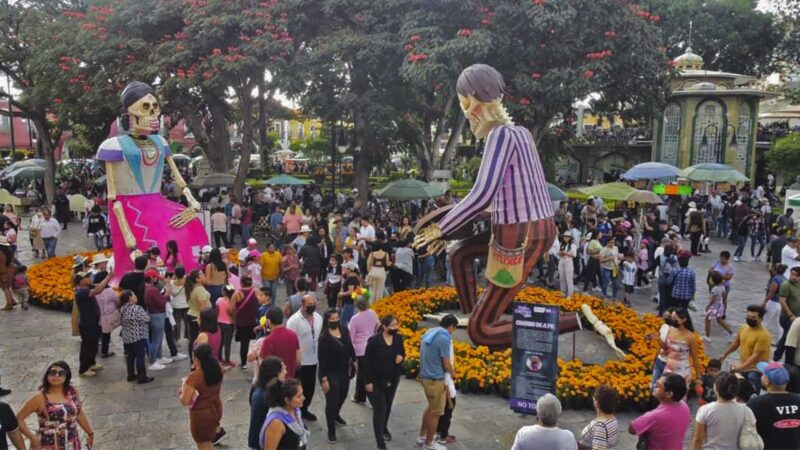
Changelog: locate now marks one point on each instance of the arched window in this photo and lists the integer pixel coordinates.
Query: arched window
(670, 134)
(742, 149)
(301, 131)
(708, 145)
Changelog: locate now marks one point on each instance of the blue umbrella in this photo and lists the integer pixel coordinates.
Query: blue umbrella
(650, 171)
(556, 194)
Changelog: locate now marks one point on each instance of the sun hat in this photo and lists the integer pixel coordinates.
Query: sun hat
(566, 234)
(305, 229)
(692, 205)
(99, 258)
(77, 260)
(775, 372)
(206, 249)
(350, 265)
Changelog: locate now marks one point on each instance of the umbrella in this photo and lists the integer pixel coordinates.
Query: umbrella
(608, 191)
(213, 180)
(24, 163)
(180, 157)
(31, 172)
(284, 179)
(556, 194)
(409, 190)
(99, 181)
(650, 171)
(642, 196)
(713, 172)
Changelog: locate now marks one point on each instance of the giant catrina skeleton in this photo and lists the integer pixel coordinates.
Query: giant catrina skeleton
(141, 217)
(511, 181)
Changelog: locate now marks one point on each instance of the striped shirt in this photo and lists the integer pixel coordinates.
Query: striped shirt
(600, 434)
(510, 178)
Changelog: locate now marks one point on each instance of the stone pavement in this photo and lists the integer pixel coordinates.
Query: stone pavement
(126, 415)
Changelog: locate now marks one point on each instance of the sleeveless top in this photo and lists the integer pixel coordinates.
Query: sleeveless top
(382, 262)
(678, 358)
(214, 341)
(289, 441)
(58, 425)
(247, 313)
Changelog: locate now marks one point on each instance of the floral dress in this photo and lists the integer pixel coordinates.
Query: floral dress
(678, 358)
(58, 424)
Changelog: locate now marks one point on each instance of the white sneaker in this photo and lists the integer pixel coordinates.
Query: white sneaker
(157, 366)
(737, 259)
(180, 357)
(435, 446)
(420, 441)
(164, 361)
(706, 338)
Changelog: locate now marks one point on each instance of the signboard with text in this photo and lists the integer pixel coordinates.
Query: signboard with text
(534, 354)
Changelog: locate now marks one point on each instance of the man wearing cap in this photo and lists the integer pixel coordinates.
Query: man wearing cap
(302, 237)
(50, 229)
(789, 254)
(252, 244)
(88, 321)
(777, 411)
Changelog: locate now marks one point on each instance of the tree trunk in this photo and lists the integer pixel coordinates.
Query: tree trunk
(446, 162)
(246, 101)
(364, 159)
(40, 123)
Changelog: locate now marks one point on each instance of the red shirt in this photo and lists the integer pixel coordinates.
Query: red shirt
(284, 344)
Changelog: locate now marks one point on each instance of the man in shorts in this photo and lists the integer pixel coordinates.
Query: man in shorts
(434, 362)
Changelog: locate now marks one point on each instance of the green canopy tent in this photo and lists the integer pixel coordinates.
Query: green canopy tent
(283, 180)
(409, 189)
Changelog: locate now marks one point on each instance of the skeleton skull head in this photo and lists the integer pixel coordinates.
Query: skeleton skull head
(144, 114)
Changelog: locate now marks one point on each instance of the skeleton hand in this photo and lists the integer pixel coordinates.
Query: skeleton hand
(193, 204)
(182, 218)
(432, 237)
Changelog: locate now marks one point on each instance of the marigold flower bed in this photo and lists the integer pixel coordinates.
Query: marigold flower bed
(478, 369)
(51, 282)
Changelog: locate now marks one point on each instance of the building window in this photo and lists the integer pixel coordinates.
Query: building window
(708, 145)
(742, 139)
(276, 127)
(567, 169)
(5, 124)
(301, 131)
(670, 135)
(313, 131)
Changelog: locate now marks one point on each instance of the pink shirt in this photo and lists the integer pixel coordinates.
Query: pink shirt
(292, 223)
(363, 326)
(222, 311)
(665, 426)
(644, 259)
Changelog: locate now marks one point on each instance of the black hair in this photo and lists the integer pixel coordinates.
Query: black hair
(125, 296)
(192, 281)
(676, 384)
(215, 258)
(725, 254)
(267, 290)
(386, 321)
(228, 291)
(682, 313)
(683, 261)
(714, 364)
(98, 277)
(172, 247)
(326, 319)
(67, 379)
(275, 315)
(606, 397)
(302, 284)
(140, 263)
(448, 321)
(212, 372)
(745, 390)
(716, 277)
(180, 272)
(796, 270)
(154, 251)
(246, 281)
(727, 385)
(22, 268)
(208, 321)
(280, 392)
(757, 309)
(268, 370)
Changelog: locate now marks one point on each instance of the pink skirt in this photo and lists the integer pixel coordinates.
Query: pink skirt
(148, 217)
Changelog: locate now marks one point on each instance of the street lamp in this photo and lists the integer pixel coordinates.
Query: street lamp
(339, 142)
(718, 141)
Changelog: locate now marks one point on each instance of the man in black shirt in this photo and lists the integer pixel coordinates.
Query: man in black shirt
(89, 321)
(777, 412)
(9, 427)
(134, 281)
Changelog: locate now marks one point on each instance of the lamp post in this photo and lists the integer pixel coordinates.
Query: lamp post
(338, 143)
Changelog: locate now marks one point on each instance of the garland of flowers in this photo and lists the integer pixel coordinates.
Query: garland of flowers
(478, 369)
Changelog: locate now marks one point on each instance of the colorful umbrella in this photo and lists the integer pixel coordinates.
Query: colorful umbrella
(650, 171)
(556, 194)
(713, 172)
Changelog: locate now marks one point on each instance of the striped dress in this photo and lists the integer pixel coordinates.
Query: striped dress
(510, 178)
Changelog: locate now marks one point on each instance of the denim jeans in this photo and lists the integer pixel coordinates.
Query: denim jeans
(780, 347)
(760, 241)
(740, 242)
(247, 232)
(426, 271)
(754, 377)
(156, 335)
(605, 279)
(658, 369)
(50, 246)
(348, 310)
(99, 242)
(722, 227)
(271, 284)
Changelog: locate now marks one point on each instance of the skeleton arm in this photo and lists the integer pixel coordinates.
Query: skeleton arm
(601, 329)
(193, 204)
(130, 240)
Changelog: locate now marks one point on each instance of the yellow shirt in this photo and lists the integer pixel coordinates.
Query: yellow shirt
(270, 266)
(752, 340)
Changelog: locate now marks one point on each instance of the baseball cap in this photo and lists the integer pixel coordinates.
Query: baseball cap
(350, 265)
(151, 273)
(252, 241)
(792, 239)
(775, 372)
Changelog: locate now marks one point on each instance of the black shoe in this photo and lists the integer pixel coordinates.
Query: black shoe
(108, 355)
(340, 421)
(131, 377)
(4, 392)
(219, 437)
(309, 417)
(146, 380)
(387, 436)
(331, 437)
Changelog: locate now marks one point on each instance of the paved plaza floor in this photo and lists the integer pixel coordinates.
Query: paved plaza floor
(128, 416)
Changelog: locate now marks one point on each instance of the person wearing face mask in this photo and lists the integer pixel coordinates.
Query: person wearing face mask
(753, 342)
(383, 361)
(337, 359)
(307, 325)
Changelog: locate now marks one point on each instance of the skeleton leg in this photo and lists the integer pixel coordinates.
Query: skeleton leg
(461, 256)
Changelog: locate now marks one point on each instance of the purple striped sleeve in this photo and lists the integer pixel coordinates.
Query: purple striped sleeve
(105, 154)
(495, 159)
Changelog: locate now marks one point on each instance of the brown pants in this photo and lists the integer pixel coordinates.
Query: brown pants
(485, 326)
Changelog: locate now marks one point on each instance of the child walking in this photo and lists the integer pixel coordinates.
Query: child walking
(643, 264)
(715, 308)
(629, 271)
(20, 287)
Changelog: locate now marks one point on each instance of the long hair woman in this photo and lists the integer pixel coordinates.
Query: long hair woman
(199, 299)
(210, 333)
(200, 392)
(216, 274)
(337, 359)
(681, 346)
(283, 428)
(271, 370)
(172, 259)
(383, 360)
(60, 410)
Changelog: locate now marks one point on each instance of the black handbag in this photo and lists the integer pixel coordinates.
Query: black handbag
(643, 443)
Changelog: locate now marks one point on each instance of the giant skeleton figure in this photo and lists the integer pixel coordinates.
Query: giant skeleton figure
(140, 216)
(511, 181)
